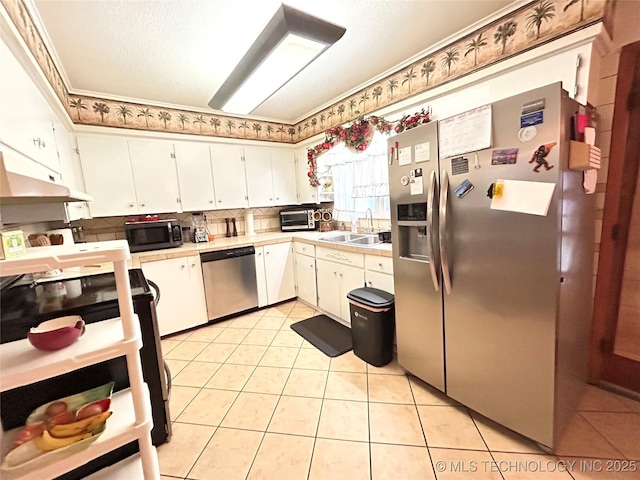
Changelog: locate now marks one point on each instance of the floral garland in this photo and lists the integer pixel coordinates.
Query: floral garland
(358, 136)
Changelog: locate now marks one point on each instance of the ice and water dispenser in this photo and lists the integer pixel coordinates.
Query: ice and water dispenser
(414, 235)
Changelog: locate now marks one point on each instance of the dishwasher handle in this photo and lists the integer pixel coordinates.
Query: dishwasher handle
(224, 254)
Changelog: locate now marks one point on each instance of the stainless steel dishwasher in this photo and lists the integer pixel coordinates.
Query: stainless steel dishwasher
(230, 284)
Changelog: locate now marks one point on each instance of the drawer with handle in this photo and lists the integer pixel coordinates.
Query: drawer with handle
(377, 263)
(305, 249)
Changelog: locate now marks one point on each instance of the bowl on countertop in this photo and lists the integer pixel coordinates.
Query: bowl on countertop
(57, 333)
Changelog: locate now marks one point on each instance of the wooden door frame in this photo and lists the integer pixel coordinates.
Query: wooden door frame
(621, 185)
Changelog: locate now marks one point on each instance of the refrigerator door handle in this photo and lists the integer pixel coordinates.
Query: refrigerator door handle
(444, 198)
(433, 187)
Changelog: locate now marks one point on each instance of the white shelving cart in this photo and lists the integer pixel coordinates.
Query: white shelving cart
(21, 364)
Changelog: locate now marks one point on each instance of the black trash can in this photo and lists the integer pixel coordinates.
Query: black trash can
(372, 324)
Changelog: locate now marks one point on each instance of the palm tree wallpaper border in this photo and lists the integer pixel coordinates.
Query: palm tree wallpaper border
(530, 26)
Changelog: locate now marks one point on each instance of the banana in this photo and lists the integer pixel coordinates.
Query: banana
(79, 427)
(47, 443)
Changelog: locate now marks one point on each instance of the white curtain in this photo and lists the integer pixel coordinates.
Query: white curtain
(360, 180)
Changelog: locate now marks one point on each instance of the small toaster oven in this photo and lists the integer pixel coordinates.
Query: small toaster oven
(297, 219)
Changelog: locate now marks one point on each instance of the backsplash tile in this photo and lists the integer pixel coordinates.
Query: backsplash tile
(112, 228)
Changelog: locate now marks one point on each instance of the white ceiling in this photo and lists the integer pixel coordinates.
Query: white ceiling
(178, 52)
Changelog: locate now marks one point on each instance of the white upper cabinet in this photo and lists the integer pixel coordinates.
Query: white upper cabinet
(107, 175)
(154, 176)
(25, 116)
(70, 168)
(129, 177)
(195, 176)
(228, 176)
(259, 176)
(284, 176)
(306, 193)
(271, 176)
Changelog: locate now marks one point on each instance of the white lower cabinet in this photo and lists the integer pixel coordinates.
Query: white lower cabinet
(379, 272)
(335, 280)
(306, 287)
(378, 280)
(261, 277)
(328, 287)
(182, 303)
(275, 274)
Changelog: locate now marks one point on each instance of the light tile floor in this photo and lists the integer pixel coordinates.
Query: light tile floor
(252, 400)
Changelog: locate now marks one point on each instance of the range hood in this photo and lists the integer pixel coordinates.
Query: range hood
(22, 182)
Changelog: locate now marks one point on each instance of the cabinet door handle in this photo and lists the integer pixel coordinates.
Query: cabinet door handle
(210, 201)
(334, 274)
(219, 201)
(380, 265)
(193, 265)
(267, 253)
(277, 198)
(369, 282)
(182, 266)
(271, 199)
(131, 205)
(143, 204)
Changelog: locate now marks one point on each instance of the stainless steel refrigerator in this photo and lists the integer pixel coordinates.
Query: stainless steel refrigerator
(493, 307)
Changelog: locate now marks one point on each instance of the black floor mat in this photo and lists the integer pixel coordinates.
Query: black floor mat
(327, 335)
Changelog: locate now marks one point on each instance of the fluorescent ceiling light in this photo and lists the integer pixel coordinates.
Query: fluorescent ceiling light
(289, 42)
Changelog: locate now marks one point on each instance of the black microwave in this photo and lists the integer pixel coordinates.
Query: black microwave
(298, 218)
(153, 235)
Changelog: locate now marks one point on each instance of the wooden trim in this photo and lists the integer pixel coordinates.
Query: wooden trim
(622, 371)
(621, 181)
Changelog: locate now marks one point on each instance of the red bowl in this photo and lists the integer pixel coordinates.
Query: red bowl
(57, 333)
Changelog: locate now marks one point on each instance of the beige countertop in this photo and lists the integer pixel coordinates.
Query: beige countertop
(260, 239)
(222, 243)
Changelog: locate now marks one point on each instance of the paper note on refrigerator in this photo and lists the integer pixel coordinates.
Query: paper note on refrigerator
(467, 132)
(404, 156)
(422, 152)
(416, 186)
(519, 196)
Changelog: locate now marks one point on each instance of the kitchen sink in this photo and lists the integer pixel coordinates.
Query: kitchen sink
(359, 239)
(366, 241)
(343, 237)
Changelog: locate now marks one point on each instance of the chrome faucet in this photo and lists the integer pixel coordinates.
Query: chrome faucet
(369, 229)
